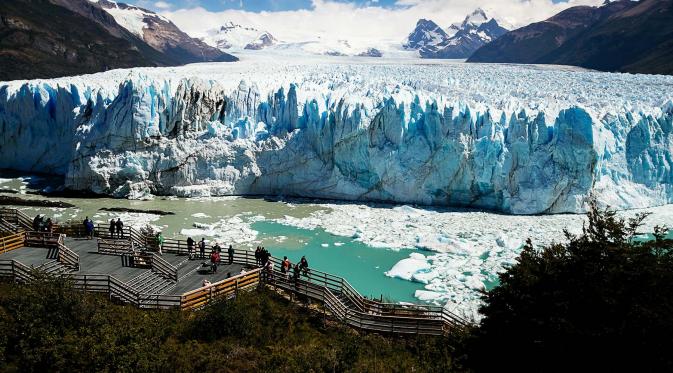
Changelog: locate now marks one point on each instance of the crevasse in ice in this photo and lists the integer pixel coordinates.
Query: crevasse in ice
(349, 132)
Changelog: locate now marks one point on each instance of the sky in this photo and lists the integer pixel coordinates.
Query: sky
(354, 20)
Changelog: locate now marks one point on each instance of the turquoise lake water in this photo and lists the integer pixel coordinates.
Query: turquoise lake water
(363, 266)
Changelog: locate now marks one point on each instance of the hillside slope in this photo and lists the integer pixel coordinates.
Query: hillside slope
(623, 36)
(45, 39)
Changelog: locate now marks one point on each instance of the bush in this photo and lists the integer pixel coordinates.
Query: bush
(47, 326)
(603, 300)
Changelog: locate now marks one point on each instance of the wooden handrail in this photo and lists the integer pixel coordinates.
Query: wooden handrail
(324, 287)
(13, 242)
(164, 268)
(68, 257)
(228, 287)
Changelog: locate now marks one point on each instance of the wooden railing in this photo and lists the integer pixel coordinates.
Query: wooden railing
(54, 240)
(16, 217)
(68, 257)
(335, 293)
(164, 268)
(12, 242)
(96, 283)
(223, 289)
(15, 270)
(114, 247)
(7, 228)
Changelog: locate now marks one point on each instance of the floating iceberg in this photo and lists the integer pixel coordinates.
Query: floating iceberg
(515, 139)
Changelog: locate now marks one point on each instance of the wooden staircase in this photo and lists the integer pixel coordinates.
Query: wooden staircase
(55, 268)
(151, 283)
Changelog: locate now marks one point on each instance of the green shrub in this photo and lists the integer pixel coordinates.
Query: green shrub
(602, 301)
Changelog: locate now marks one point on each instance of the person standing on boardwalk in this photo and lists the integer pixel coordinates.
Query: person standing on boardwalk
(231, 254)
(214, 260)
(264, 255)
(258, 256)
(50, 226)
(88, 226)
(296, 274)
(268, 271)
(286, 267)
(303, 265)
(120, 227)
(190, 247)
(36, 223)
(112, 228)
(202, 247)
(160, 242)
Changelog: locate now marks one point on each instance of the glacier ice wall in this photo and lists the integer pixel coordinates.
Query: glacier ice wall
(194, 137)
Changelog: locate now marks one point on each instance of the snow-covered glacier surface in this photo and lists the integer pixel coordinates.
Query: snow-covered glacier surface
(516, 139)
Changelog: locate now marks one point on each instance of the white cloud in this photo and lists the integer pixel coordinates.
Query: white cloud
(162, 5)
(367, 24)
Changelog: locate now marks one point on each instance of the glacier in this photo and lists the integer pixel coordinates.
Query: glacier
(508, 138)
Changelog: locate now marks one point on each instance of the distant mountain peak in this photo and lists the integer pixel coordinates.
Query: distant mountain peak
(459, 40)
(426, 33)
(235, 36)
(477, 17)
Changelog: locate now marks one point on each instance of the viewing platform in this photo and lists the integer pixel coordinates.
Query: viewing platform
(129, 269)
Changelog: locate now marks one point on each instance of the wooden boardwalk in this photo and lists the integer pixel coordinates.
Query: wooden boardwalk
(91, 262)
(130, 270)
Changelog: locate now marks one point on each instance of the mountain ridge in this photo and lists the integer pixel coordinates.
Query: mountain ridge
(621, 36)
(52, 38)
(460, 41)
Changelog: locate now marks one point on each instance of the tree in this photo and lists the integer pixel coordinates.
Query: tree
(602, 300)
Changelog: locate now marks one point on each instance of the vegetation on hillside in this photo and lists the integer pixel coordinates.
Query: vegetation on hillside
(602, 301)
(45, 326)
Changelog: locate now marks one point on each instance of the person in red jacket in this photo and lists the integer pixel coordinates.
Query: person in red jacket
(214, 260)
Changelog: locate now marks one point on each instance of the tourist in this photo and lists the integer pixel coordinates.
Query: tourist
(268, 271)
(258, 256)
(296, 274)
(283, 269)
(160, 242)
(214, 260)
(120, 228)
(231, 254)
(36, 223)
(202, 247)
(286, 266)
(217, 248)
(206, 282)
(112, 228)
(89, 227)
(50, 226)
(265, 255)
(303, 264)
(190, 248)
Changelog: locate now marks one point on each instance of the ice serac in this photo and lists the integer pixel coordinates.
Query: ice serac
(195, 137)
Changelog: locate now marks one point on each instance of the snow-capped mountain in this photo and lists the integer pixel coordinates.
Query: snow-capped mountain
(264, 40)
(458, 40)
(161, 34)
(50, 38)
(234, 37)
(231, 36)
(426, 36)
